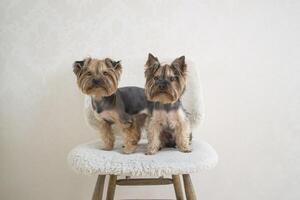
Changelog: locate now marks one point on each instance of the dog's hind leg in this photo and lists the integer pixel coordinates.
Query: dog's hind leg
(131, 137)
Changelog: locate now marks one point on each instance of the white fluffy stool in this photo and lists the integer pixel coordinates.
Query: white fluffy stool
(89, 159)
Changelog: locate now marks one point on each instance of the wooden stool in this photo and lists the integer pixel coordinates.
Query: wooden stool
(175, 180)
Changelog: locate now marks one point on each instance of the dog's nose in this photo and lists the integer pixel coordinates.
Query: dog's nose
(96, 81)
(162, 86)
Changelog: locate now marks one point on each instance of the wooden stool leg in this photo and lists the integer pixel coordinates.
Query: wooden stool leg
(188, 186)
(111, 187)
(98, 191)
(177, 187)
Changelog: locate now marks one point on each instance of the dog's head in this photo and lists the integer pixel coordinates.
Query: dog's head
(98, 77)
(165, 83)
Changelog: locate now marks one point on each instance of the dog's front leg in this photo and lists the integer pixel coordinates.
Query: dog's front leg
(182, 132)
(106, 135)
(153, 134)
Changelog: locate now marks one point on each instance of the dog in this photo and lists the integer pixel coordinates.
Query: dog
(99, 78)
(167, 124)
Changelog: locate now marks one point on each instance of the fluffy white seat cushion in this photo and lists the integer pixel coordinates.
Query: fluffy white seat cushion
(89, 159)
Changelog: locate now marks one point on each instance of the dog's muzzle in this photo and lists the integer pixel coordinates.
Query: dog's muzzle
(162, 84)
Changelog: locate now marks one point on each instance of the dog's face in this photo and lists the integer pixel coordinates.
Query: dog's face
(97, 77)
(165, 83)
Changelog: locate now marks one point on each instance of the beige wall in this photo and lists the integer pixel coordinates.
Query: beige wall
(248, 54)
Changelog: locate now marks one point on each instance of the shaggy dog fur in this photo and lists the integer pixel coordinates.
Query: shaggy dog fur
(123, 107)
(168, 125)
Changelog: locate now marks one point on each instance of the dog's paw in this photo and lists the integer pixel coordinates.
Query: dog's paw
(107, 148)
(185, 149)
(129, 149)
(151, 151)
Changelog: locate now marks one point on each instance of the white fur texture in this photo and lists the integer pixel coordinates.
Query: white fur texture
(89, 159)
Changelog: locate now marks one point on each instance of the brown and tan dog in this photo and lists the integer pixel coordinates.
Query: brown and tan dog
(99, 78)
(168, 125)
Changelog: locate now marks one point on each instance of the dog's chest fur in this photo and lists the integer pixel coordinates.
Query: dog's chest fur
(166, 116)
(166, 119)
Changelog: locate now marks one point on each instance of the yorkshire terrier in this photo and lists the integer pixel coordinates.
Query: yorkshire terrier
(168, 124)
(99, 78)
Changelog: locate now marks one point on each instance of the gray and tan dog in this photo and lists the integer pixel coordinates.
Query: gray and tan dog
(168, 125)
(123, 107)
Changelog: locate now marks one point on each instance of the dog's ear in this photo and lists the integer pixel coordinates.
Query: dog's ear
(77, 66)
(179, 64)
(113, 64)
(151, 60)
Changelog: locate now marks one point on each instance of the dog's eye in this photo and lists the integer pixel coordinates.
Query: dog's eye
(156, 65)
(155, 78)
(105, 73)
(89, 73)
(172, 78)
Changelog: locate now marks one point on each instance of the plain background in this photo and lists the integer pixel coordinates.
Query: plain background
(248, 55)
